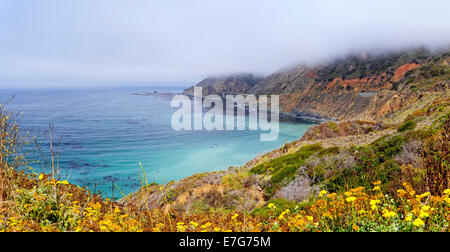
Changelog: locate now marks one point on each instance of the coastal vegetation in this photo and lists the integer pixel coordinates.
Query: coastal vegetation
(41, 203)
(383, 169)
(378, 192)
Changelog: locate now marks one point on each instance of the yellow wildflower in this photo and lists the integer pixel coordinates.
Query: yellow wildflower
(401, 192)
(193, 224)
(389, 214)
(377, 183)
(425, 194)
(373, 204)
(181, 228)
(206, 225)
(424, 214)
(283, 213)
(418, 222)
(331, 195)
(350, 199)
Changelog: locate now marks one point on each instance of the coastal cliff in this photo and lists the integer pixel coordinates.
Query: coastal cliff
(364, 87)
(361, 87)
(388, 107)
(390, 174)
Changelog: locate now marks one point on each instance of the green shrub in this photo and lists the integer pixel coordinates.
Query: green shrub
(46, 211)
(333, 126)
(329, 151)
(283, 169)
(387, 147)
(317, 173)
(276, 164)
(373, 163)
(408, 125)
(419, 135)
(438, 124)
(235, 180)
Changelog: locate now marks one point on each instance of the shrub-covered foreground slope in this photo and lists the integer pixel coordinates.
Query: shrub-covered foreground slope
(398, 182)
(394, 179)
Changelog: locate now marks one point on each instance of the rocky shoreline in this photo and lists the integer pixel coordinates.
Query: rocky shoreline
(367, 136)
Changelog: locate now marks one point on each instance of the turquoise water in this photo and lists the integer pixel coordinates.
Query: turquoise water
(103, 134)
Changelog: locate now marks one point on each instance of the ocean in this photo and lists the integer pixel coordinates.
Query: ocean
(103, 134)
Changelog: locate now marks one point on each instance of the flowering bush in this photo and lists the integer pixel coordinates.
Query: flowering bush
(363, 209)
(39, 203)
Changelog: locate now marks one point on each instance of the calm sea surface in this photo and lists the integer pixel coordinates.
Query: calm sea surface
(103, 133)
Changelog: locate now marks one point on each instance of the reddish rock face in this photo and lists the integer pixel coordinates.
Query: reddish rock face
(368, 84)
(401, 71)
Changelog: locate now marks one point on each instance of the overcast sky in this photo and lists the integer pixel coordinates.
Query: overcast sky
(149, 42)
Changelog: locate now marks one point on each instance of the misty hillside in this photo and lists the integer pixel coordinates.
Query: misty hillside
(228, 84)
(365, 86)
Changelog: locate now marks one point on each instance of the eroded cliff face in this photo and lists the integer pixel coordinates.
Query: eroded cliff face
(346, 105)
(364, 88)
(361, 87)
(384, 92)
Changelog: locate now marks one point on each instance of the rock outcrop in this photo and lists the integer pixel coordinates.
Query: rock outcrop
(223, 85)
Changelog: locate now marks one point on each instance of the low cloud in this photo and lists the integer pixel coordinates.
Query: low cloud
(52, 42)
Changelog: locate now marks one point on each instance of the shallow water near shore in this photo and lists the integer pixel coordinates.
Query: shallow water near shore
(103, 133)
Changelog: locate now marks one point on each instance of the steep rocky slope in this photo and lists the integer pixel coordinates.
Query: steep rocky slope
(333, 157)
(358, 87)
(362, 87)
